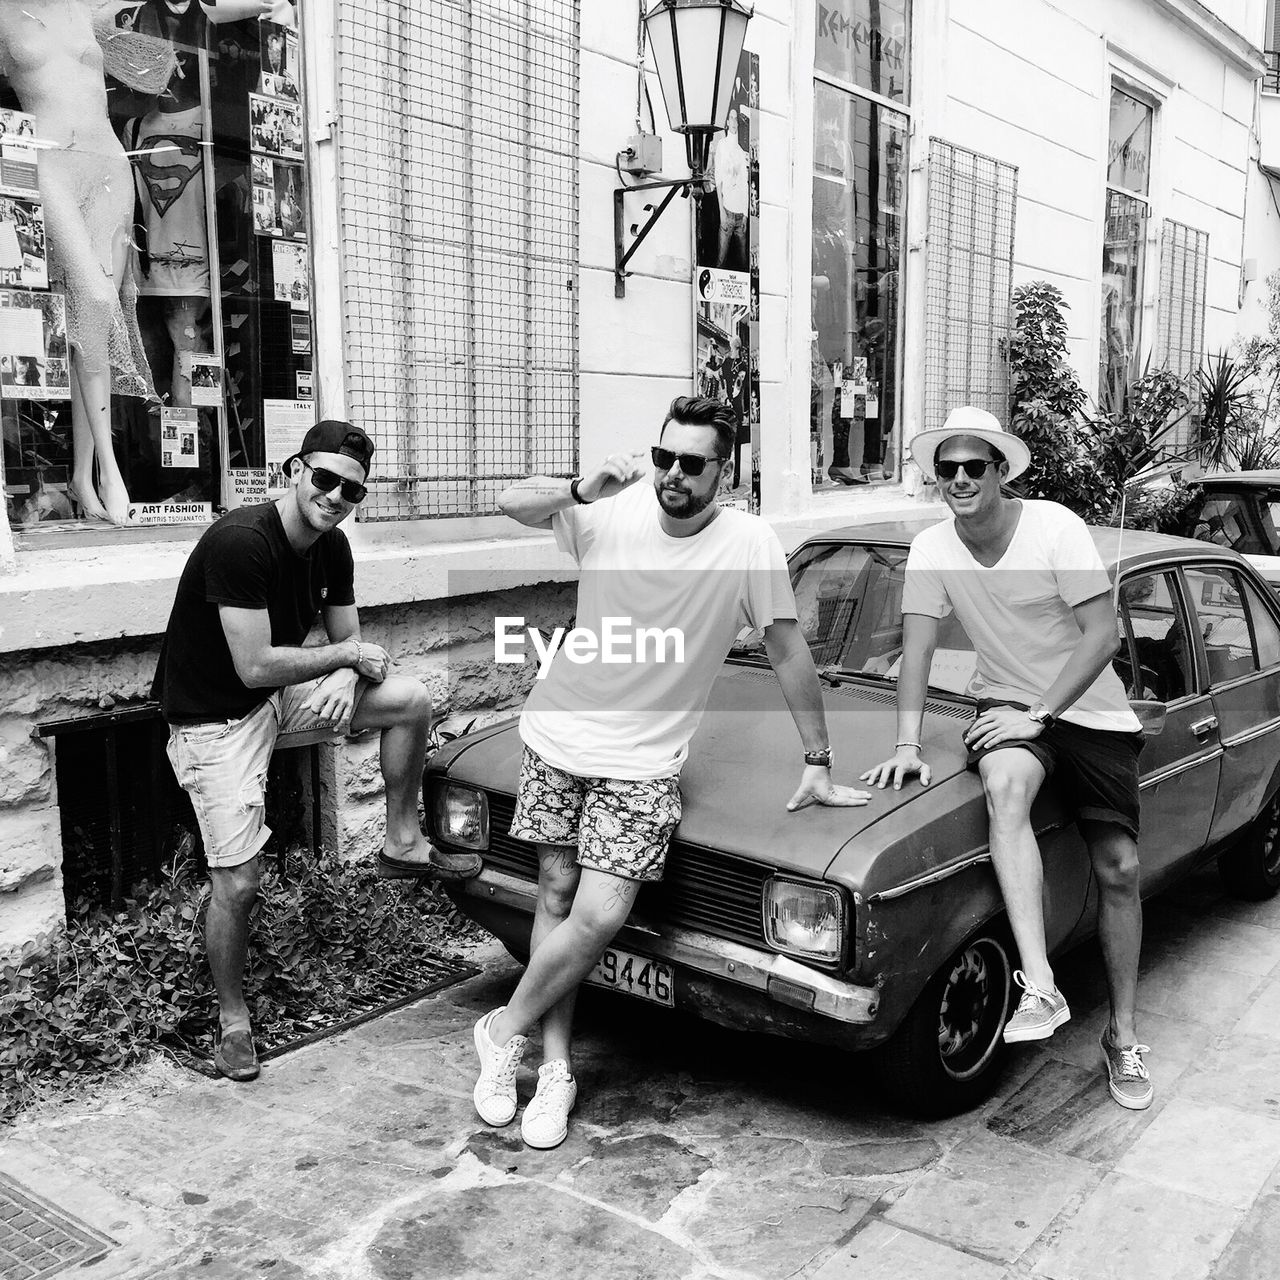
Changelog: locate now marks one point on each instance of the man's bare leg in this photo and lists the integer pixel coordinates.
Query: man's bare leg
(558, 877)
(226, 938)
(1011, 778)
(1115, 864)
(568, 952)
(401, 707)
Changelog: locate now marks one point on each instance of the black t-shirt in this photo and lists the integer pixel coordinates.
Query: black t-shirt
(244, 560)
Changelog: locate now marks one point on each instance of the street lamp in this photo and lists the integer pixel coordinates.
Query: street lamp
(696, 47)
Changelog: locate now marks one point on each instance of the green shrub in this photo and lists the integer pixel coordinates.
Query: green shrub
(124, 983)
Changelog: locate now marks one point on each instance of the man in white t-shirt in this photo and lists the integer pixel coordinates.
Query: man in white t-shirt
(669, 579)
(1026, 581)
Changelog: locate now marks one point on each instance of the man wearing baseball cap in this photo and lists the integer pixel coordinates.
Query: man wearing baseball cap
(234, 679)
(1026, 582)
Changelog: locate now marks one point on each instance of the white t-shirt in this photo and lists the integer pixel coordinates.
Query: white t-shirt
(633, 718)
(1018, 612)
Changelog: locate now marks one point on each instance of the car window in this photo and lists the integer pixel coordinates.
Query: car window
(1230, 520)
(1154, 662)
(849, 605)
(1240, 634)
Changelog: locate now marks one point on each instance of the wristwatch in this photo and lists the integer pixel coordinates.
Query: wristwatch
(1042, 715)
(573, 490)
(822, 757)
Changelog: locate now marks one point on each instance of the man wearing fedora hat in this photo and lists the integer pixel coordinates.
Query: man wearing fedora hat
(1025, 580)
(234, 679)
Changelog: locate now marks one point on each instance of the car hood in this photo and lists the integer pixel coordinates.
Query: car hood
(746, 760)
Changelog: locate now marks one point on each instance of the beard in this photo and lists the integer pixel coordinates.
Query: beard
(681, 504)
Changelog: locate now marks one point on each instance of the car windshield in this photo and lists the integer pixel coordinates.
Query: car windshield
(849, 603)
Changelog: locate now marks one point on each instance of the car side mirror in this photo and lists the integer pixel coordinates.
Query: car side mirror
(1151, 715)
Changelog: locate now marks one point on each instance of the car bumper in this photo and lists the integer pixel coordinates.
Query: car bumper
(725, 982)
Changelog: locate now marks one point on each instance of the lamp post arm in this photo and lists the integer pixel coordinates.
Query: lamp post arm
(621, 254)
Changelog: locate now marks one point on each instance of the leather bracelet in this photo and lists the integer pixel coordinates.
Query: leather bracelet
(575, 495)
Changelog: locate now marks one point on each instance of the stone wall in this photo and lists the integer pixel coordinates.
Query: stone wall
(448, 644)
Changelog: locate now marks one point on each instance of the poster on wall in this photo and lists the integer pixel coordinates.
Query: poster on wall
(18, 159)
(285, 423)
(33, 346)
(23, 257)
(726, 279)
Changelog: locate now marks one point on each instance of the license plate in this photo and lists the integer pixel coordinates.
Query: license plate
(634, 975)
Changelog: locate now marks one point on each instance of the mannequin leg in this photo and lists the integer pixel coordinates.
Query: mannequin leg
(184, 321)
(94, 277)
(82, 486)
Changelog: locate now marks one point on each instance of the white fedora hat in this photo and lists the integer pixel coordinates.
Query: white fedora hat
(970, 421)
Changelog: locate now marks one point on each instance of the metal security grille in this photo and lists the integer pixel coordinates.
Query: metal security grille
(969, 267)
(459, 192)
(1184, 273)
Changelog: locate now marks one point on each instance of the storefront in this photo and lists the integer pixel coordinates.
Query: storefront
(157, 351)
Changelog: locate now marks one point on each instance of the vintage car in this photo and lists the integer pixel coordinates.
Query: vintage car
(882, 928)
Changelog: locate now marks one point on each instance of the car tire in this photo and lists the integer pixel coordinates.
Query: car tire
(1250, 869)
(947, 1054)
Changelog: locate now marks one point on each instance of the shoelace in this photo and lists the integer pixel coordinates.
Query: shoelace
(553, 1087)
(504, 1074)
(1131, 1065)
(1030, 993)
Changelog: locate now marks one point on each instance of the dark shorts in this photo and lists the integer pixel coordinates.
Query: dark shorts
(1098, 768)
(617, 825)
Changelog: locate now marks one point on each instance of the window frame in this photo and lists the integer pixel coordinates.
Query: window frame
(903, 108)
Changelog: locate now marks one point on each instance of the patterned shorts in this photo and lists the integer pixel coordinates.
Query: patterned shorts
(619, 826)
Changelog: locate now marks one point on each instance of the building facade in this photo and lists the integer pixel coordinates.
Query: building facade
(407, 217)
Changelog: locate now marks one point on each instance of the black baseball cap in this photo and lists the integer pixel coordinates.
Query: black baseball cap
(334, 436)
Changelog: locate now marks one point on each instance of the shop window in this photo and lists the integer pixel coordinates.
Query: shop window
(458, 177)
(1124, 246)
(1184, 274)
(859, 190)
(155, 274)
(969, 269)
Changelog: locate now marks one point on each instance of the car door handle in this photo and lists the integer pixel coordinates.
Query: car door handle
(1207, 725)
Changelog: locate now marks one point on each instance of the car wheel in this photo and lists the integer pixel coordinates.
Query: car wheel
(946, 1055)
(1251, 867)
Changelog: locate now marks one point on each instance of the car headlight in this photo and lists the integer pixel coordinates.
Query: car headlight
(803, 919)
(461, 815)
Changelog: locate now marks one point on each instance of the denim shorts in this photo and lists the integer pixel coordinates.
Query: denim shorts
(222, 766)
(619, 826)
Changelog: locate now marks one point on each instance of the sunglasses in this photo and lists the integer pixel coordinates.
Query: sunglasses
(327, 481)
(974, 468)
(692, 464)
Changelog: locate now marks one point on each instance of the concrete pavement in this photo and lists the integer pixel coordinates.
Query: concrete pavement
(697, 1152)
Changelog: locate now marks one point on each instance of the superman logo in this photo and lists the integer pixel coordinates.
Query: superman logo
(169, 163)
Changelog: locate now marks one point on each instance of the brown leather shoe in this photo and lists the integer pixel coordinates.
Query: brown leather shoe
(441, 866)
(235, 1056)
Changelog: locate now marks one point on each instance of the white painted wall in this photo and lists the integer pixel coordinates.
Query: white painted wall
(1028, 81)
(637, 351)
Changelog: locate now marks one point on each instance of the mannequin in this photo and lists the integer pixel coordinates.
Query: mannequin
(54, 53)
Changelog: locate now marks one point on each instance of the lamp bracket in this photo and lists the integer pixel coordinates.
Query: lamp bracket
(621, 253)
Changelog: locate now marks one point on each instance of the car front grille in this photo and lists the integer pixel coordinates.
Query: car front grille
(714, 893)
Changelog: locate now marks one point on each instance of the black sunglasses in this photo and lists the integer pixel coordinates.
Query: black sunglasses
(692, 464)
(327, 481)
(974, 468)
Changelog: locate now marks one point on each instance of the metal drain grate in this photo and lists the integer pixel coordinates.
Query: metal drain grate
(421, 973)
(39, 1240)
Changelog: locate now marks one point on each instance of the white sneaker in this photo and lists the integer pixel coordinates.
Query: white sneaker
(495, 1091)
(545, 1122)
